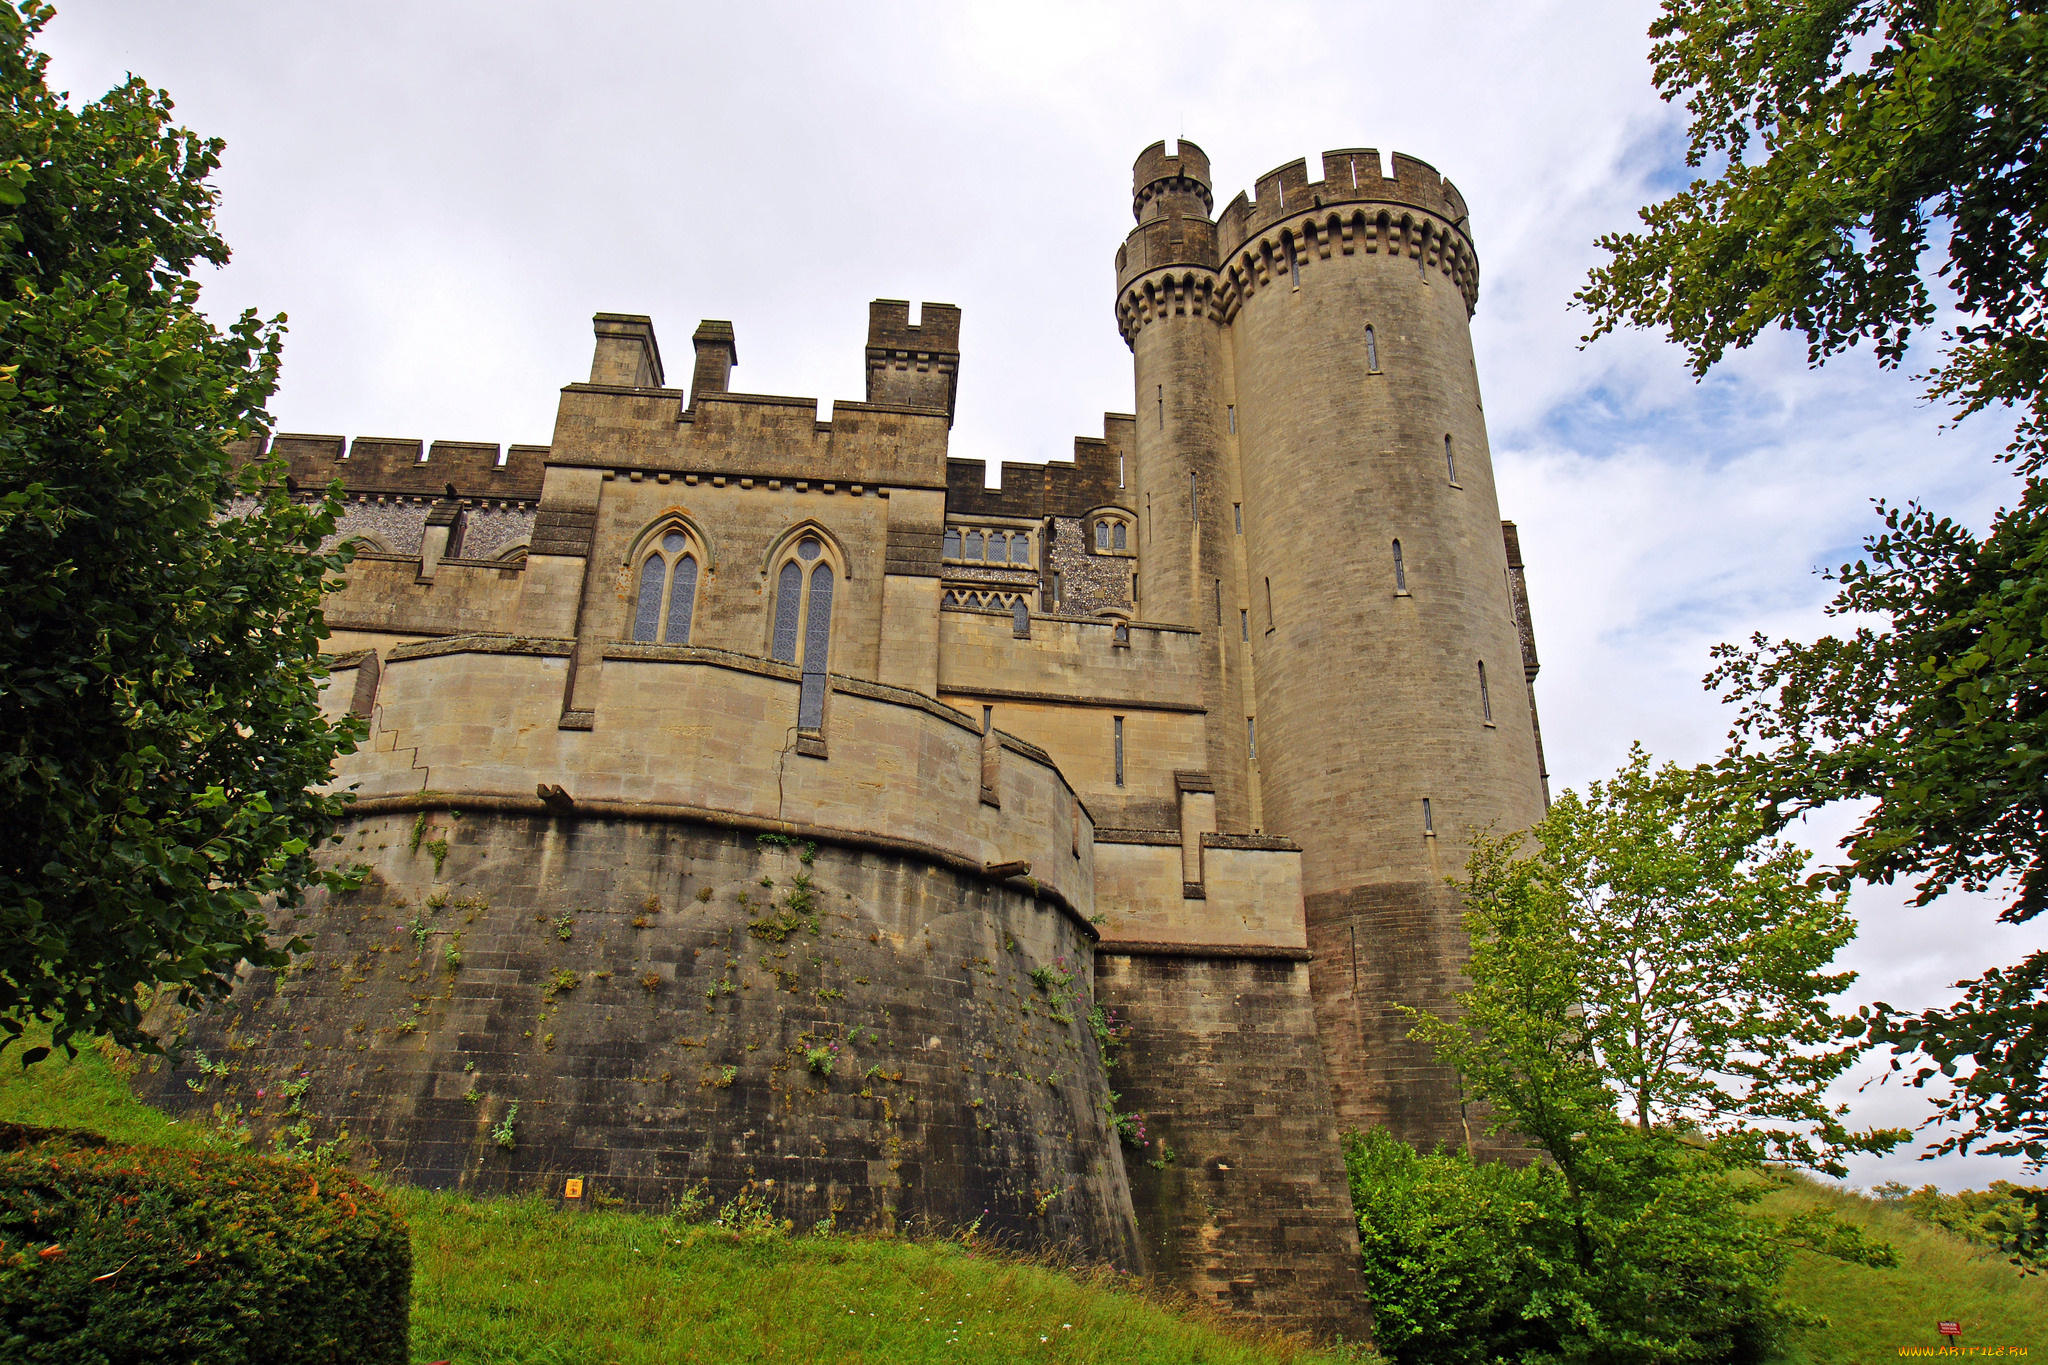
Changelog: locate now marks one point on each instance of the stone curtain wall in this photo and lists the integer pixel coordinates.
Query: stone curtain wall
(1253, 1211)
(648, 1003)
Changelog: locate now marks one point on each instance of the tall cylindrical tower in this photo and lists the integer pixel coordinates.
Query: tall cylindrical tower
(1333, 347)
(1183, 468)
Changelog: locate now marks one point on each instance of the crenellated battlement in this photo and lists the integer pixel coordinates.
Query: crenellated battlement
(1158, 179)
(406, 466)
(1350, 175)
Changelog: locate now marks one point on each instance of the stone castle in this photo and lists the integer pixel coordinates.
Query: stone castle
(758, 805)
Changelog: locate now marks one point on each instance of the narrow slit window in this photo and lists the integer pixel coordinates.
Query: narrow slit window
(1230, 413)
(1269, 604)
(1400, 570)
(1194, 498)
(1219, 601)
(1162, 406)
(1244, 625)
(1450, 460)
(647, 612)
(1372, 352)
(1119, 471)
(1057, 595)
(1117, 733)
(1251, 736)
(810, 713)
(1293, 264)
(682, 601)
(952, 542)
(1134, 591)
(988, 719)
(1237, 514)
(789, 604)
(1485, 699)
(1428, 817)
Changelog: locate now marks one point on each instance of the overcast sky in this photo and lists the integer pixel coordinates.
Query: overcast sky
(440, 194)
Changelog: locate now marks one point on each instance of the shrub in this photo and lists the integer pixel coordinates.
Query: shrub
(1655, 1262)
(134, 1254)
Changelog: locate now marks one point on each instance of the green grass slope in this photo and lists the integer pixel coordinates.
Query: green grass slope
(1872, 1314)
(503, 1281)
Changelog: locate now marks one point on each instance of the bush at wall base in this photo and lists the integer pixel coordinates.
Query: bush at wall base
(116, 1255)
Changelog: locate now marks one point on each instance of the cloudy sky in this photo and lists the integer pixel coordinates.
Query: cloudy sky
(440, 194)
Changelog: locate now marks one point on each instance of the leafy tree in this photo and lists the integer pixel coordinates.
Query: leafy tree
(1649, 1007)
(1901, 150)
(161, 735)
(1660, 951)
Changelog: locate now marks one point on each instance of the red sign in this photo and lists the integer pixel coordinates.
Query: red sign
(1950, 1329)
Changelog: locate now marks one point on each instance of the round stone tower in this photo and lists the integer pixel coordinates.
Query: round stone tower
(1309, 351)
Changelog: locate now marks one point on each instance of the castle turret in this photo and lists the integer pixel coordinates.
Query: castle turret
(1184, 484)
(1306, 361)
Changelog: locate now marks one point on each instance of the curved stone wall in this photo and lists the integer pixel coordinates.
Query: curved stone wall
(648, 994)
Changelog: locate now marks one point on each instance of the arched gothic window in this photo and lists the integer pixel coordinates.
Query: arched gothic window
(803, 612)
(668, 593)
(1020, 615)
(1110, 535)
(1116, 535)
(1102, 535)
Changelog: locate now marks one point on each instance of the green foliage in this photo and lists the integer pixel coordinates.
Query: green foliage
(502, 1132)
(798, 910)
(160, 728)
(1659, 947)
(1885, 126)
(117, 1253)
(2008, 1218)
(565, 928)
(807, 851)
(1882, 125)
(1652, 1255)
(822, 1059)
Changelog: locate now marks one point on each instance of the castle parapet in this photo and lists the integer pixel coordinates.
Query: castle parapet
(1350, 175)
(915, 365)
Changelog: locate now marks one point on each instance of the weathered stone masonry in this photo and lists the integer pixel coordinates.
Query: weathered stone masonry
(1191, 728)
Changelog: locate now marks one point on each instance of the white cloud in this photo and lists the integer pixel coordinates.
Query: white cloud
(441, 195)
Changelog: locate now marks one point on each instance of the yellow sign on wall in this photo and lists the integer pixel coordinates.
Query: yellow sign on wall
(572, 1189)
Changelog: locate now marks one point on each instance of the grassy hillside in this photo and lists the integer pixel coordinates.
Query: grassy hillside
(1873, 1313)
(503, 1281)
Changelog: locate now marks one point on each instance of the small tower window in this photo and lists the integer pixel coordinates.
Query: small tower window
(1400, 570)
(1219, 601)
(1119, 471)
(988, 719)
(1293, 264)
(1117, 738)
(1372, 352)
(1450, 460)
(1116, 532)
(1251, 737)
(1121, 635)
(1269, 606)
(1058, 594)
(1428, 817)
(952, 542)
(974, 545)
(1244, 624)
(1194, 498)
(1485, 699)
(1237, 512)
(1020, 616)
(810, 711)
(1230, 414)
(1162, 406)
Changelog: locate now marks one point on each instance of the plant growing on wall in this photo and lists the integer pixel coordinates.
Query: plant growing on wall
(502, 1133)
(161, 738)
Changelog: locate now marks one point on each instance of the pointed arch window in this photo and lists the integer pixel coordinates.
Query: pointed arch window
(1372, 352)
(803, 614)
(667, 597)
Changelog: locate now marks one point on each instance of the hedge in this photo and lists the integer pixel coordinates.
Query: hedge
(111, 1255)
